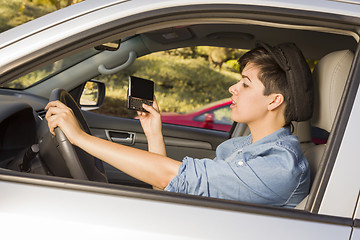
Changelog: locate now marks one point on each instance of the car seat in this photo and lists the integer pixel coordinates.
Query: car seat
(330, 75)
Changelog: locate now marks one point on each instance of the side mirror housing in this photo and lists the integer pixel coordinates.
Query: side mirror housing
(209, 120)
(92, 96)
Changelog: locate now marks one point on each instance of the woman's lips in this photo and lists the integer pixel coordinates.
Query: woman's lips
(232, 104)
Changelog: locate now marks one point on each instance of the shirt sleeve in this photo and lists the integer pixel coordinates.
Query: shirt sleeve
(192, 178)
(261, 180)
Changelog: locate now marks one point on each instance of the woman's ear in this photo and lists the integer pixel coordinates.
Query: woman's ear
(276, 100)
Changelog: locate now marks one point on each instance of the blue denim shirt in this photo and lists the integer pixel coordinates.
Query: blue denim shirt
(271, 171)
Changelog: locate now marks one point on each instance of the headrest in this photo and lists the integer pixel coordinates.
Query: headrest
(303, 131)
(330, 75)
(298, 74)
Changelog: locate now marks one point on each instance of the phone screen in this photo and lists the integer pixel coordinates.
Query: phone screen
(142, 88)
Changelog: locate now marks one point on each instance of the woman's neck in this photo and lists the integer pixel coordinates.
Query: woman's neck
(257, 135)
(264, 128)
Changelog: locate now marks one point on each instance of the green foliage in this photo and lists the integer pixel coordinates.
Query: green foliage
(233, 65)
(114, 106)
(312, 63)
(216, 56)
(57, 3)
(187, 52)
(28, 79)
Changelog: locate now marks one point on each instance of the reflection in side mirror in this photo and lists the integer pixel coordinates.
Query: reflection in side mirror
(93, 95)
(209, 120)
(110, 46)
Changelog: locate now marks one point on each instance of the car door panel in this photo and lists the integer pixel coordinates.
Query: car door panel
(129, 213)
(356, 230)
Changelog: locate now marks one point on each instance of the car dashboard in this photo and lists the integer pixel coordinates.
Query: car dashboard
(20, 122)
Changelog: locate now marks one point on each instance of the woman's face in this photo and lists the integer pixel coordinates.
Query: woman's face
(248, 101)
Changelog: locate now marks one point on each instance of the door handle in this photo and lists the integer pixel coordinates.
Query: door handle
(120, 137)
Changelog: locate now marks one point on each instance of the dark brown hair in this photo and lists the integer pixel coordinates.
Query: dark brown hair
(272, 76)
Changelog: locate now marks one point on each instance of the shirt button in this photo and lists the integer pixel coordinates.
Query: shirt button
(241, 163)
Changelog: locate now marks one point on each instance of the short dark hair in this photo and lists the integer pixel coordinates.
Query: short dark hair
(272, 76)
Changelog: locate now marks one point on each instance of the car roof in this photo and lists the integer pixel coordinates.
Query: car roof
(345, 8)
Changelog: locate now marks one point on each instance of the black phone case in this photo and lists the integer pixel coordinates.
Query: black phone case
(135, 103)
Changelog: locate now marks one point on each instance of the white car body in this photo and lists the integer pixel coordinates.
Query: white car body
(42, 207)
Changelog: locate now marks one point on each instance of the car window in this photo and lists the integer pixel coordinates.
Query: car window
(221, 115)
(178, 73)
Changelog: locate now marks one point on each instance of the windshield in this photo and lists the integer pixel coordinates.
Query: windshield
(43, 73)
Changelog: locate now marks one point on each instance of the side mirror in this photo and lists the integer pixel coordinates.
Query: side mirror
(92, 96)
(209, 120)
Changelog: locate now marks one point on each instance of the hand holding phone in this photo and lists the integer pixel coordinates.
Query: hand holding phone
(140, 91)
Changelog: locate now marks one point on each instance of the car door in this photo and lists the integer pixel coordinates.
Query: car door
(39, 207)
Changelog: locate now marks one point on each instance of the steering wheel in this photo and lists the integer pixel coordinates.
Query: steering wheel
(60, 157)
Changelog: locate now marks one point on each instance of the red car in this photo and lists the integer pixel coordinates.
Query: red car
(215, 116)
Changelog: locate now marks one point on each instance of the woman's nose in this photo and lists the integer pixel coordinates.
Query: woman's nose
(232, 89)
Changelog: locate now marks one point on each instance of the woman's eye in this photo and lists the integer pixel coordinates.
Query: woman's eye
(245, 85)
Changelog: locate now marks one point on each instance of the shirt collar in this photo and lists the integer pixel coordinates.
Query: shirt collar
(282, 132)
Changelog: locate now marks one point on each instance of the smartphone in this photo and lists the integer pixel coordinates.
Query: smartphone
(140, 91)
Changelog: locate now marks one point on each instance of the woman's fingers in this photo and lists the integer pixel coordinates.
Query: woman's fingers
(150, 109)
(58, 110)
(52, 123)
(155, 105)
(57, 114)
(56, 103)
(55, 111)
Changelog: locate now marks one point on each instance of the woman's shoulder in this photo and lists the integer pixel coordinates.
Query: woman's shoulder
(289, 143)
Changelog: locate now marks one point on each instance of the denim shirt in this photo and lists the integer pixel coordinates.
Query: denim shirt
(271, 171)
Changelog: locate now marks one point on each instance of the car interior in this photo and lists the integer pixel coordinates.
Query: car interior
(22, 110)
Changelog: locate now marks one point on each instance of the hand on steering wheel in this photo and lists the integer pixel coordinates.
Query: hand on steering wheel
(65, 109)
(59, 115)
